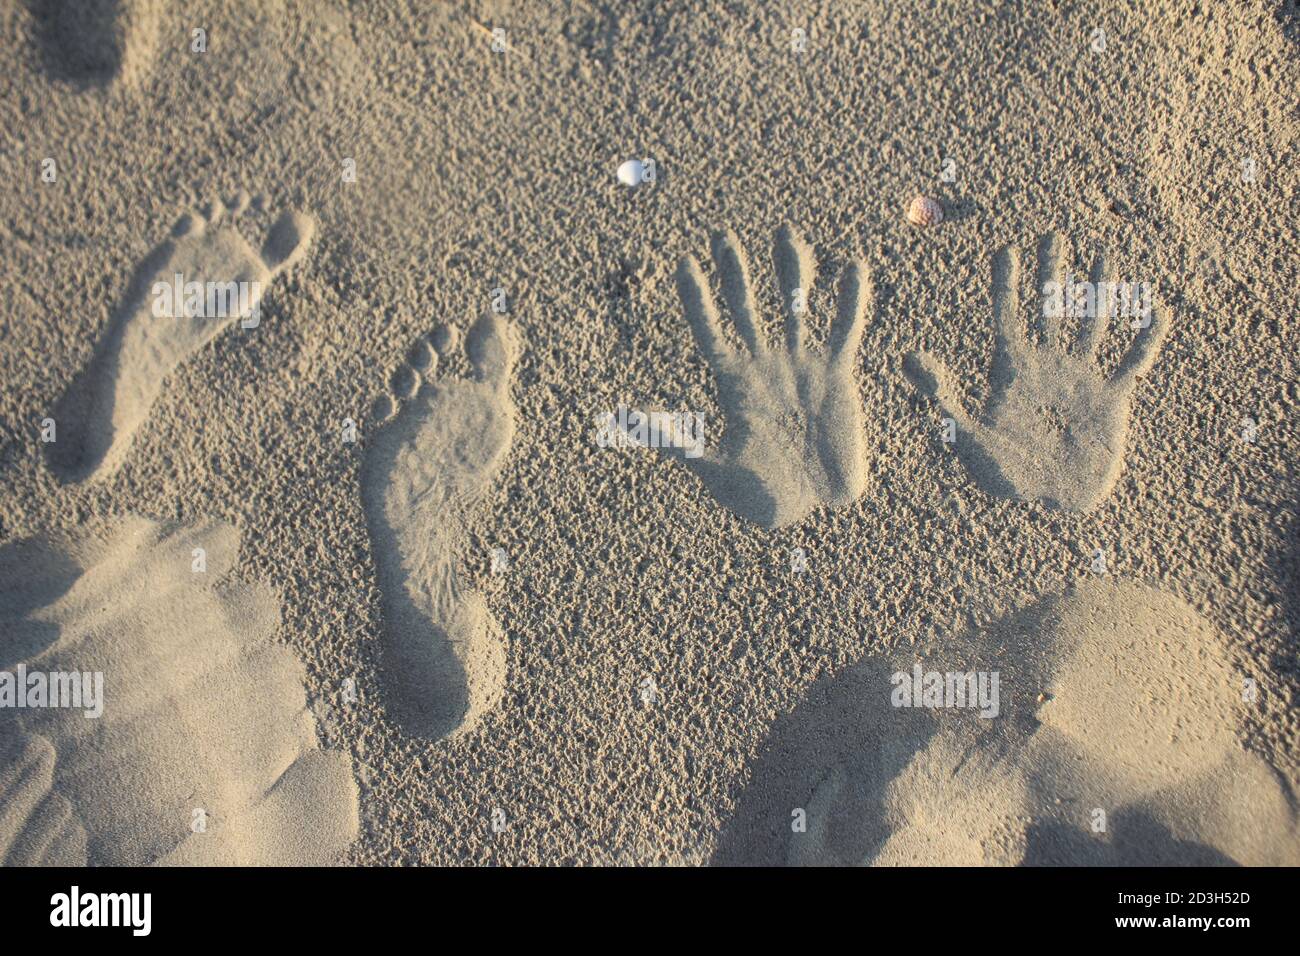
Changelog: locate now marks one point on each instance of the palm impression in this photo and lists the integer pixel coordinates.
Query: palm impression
(792, 438)
(1055, 426)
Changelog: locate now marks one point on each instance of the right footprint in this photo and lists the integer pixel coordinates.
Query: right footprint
(1055, 426)
(428, 466)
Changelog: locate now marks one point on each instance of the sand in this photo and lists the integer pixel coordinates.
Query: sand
(205, 751)
(442, 446)
(490, 638)
(1112, 697)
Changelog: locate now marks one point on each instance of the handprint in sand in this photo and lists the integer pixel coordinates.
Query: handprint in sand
(793, 435)
(1056, 425)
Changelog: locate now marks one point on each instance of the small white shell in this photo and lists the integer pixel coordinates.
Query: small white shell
(631, 172)
(925, 211)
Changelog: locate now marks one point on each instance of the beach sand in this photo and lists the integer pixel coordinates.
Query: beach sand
(494, 630)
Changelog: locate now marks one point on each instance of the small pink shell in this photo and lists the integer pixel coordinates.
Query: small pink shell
(924, 211)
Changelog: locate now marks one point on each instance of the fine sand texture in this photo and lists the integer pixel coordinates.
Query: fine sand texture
(443, 616)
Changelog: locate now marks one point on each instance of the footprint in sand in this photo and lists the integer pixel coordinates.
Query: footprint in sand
(793, 440)
(205, 751)
(1112, 698)
(99, 414)
(1055, 426)
(442, 443)
(95, 42)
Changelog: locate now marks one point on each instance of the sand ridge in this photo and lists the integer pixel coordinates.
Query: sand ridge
(1117, 742)
(205, 751)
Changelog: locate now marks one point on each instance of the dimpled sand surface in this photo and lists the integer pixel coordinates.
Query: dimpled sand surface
(628, 631)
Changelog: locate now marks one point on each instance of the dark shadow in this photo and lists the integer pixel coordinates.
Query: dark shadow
(1288, 18)
(33, 574)
(836, 755)
(82, 42)
(838, 728)
(1136, 839)
(847, 726)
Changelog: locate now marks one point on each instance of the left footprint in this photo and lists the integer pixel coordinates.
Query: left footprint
(205, 751)
(98, 416)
